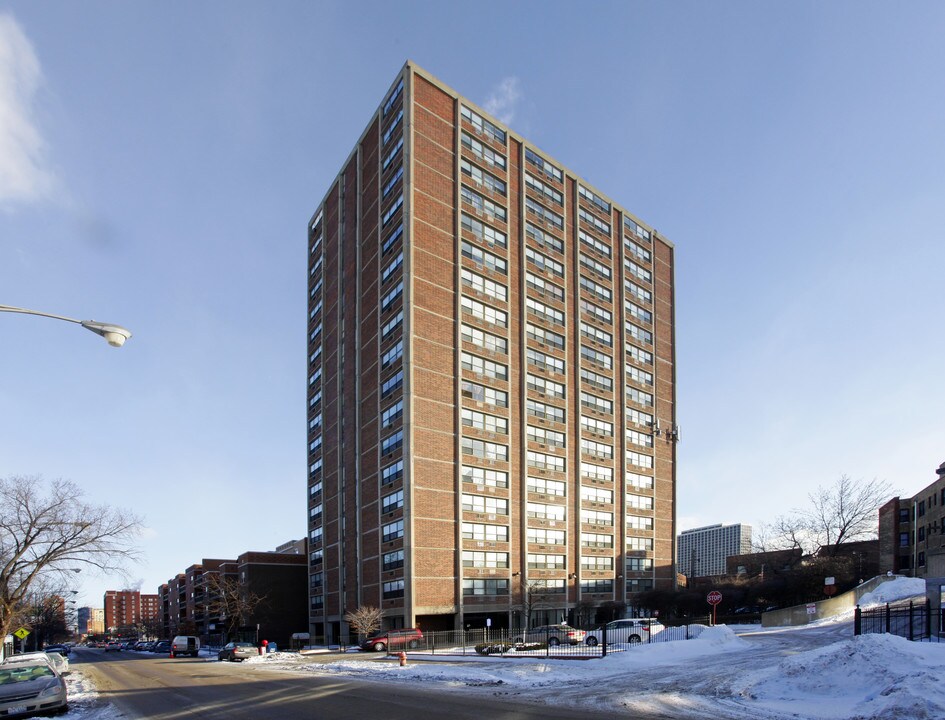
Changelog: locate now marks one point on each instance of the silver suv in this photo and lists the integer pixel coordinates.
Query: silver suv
(630, 630)
(552, 634)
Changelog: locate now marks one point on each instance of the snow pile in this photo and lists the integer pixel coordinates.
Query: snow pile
(84, 699)
(901, 588)
(870, 676)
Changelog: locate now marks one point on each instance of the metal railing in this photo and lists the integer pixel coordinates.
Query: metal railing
(545, 642)
(913, 621)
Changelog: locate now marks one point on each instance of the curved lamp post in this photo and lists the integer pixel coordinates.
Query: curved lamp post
(115, 335)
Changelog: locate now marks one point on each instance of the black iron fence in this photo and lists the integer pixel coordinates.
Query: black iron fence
(545, 642)
(910, 620)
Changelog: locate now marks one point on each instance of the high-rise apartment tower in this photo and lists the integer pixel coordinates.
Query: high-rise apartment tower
(491, 380)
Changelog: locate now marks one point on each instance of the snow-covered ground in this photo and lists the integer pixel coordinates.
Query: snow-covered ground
(817, 672)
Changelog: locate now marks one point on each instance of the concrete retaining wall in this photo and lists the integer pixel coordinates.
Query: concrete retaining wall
(798, 615)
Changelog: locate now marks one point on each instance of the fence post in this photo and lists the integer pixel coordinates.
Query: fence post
(857, 621)
(911, 622)
(928, 617)
(603, 639)
(887, 617)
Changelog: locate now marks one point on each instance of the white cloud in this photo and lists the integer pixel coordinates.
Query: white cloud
(503, 100)
(24, 174)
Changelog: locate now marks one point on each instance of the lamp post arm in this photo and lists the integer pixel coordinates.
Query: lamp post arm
(115, 335)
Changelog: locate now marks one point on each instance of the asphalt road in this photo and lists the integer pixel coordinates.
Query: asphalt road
(159, 688)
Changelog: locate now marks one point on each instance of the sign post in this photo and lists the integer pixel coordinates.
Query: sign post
(713, 598)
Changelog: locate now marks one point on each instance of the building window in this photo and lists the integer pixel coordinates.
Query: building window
(484, 504)
(544, 214)
(544, 287)
(491, 533)
(547, 169)
(484, 285)
(482, 339)
(392, 355)
(545, 562)
(544, 361)
(639, 292)
(483, 152)
(545, 337)
(482, 125)
(393, 502)
(597, 586)
(392, 531)
(544, 312)
(545, 412)
(921, 560)
(483, 232)
(596, 494)
(483, 367)
(546, 387)
(392, 295)
(392, 443)
(391, 385)
(394, 560)
(392, 414)
(543, 461)
(544, 262)
(388, 133)
(476, 559)
(548, 192)
(485, 450)
(393, 589)
(597, 427)
(485, 476)
(393, 96)
(542, 511)
(543, 536)
(546, 487)
(484, 422)
(592, 242)
(545, 240)
(483, 394)
(482, 178)
(482, 205)
(477, 586)
(483, 312)
(392, 473)
(389, 158)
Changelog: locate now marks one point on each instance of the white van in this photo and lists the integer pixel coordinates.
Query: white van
(185, 645)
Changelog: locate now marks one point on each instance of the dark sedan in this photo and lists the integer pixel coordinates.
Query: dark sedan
(237, 651)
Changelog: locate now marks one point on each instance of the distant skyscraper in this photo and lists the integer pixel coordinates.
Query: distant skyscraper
(491, 379)
(702, 551)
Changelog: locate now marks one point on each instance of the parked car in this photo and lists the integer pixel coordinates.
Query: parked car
(113, 645)
(128, 645)
(237, 651)
(185, 645)
(144, 645)
(62, 649)
(551, 634)
(630, 630)
(162, 646)
(31, 687)
(393, 639)
(58, 662)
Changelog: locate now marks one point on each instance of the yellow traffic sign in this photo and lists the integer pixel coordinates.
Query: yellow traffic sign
(22, 633)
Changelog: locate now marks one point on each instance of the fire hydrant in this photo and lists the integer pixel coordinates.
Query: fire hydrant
(403, 658)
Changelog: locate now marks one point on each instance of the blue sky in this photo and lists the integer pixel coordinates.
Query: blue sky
(158, 164)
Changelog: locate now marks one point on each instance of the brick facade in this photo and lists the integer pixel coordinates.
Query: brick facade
(491, 379)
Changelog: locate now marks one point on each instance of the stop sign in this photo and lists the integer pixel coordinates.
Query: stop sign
(714, 597)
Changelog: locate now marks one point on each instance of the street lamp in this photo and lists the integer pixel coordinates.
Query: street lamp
(115, 335)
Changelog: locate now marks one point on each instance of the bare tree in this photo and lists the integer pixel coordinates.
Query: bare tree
(844, 512)
(365, 619)
(48, 530)
(839, 513)
(229, 600)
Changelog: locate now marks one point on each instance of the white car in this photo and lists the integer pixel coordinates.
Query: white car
(60, 663)
(31, 686)
(630, 630)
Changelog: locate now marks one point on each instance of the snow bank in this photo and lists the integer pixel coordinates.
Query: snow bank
(902, 588)
(870, 676)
